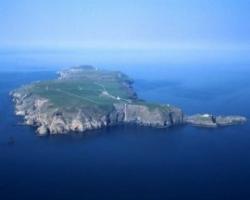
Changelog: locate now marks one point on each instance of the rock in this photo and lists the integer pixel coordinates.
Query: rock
(211, 121)
(230, 120)
(42, 130)
(85, 98)
(50, 117)
(77, 125)
(146, 116)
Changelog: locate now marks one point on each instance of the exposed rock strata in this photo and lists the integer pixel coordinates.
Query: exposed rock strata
(41, 113)
(207, 120)
(50, 117)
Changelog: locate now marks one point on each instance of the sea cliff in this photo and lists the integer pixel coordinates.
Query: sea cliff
(86, 98)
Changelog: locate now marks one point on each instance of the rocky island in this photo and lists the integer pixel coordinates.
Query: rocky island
(211, 121)
(86, 98)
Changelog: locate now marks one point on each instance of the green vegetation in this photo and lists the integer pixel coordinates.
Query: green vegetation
(153, 106)
(84, 88)
(87, 88)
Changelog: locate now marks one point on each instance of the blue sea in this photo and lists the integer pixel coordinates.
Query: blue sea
(128, 162)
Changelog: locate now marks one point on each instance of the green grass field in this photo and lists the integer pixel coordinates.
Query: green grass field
(92, 88)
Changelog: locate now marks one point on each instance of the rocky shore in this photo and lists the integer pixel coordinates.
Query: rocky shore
(51, 118)
(211, 121)
(41, 113)
(85, 98)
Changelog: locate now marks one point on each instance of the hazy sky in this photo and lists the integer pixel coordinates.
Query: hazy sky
(130, 24)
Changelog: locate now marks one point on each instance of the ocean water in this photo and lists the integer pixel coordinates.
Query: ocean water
(128, 162)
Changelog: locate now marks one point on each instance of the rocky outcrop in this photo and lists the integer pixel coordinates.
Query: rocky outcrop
(85, 98)
(211, 121)
(42, 114)
(146, 116)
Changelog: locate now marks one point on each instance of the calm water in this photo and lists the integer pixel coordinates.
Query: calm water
(131, 162)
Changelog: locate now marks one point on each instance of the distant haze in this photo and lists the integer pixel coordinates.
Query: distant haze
(149, 30)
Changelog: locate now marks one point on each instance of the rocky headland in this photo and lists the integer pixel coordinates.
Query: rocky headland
(211, 121)
(86, 98)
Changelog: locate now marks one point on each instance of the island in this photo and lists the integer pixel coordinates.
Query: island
(86, 98)
(211, 121)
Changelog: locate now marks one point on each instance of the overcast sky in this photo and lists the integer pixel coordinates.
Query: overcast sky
(130, 24)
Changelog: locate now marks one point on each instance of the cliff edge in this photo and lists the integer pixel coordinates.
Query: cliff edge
(85, 98)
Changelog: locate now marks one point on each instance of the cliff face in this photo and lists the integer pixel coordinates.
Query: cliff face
(42, 114)
(144, 115)
(211, 121)
(62, 108)
(85, 98)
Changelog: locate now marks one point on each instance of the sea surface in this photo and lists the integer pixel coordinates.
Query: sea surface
(128, 162)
